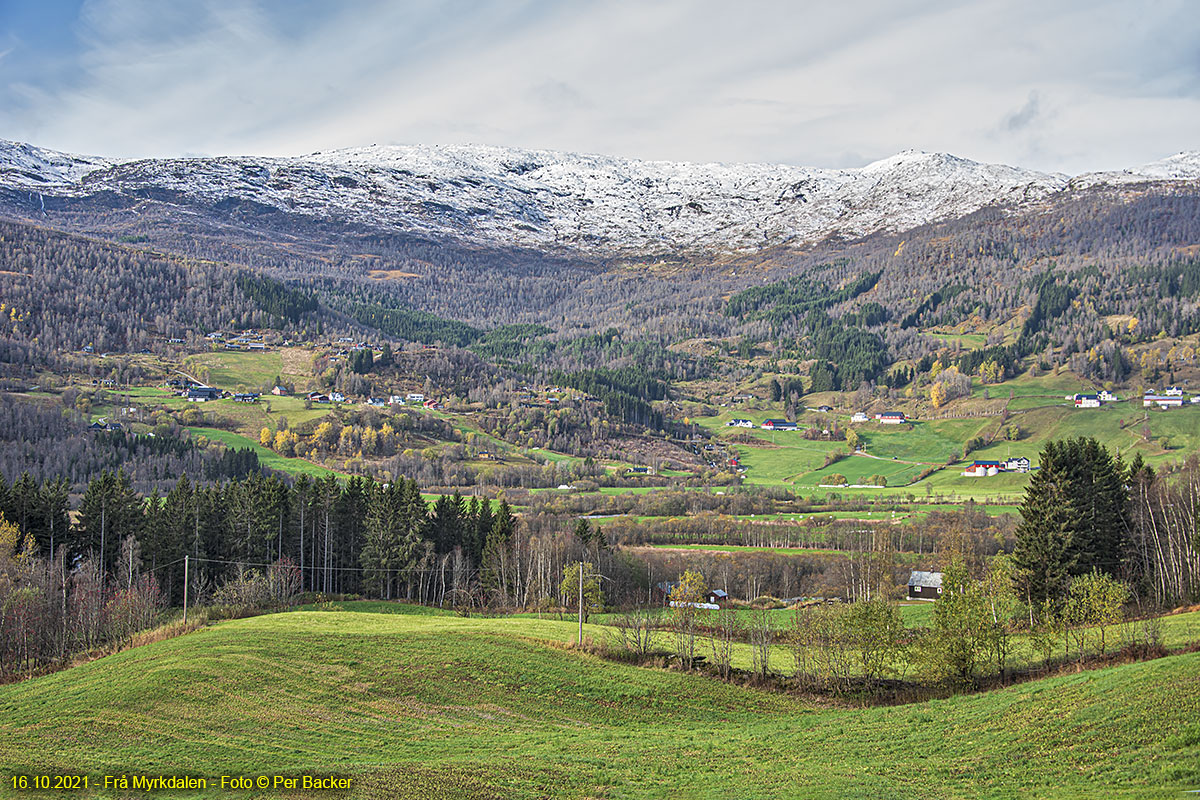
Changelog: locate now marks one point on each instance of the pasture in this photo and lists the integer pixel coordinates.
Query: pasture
(439, 706)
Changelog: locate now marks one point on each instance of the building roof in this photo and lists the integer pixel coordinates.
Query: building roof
(892, 414)
(925, 579)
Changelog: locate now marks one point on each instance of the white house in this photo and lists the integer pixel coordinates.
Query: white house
(414, 397)
(1018, 464)
(858, 417)
(891, 418)
(1173, 391)
(337, 397)
(1108, 397)
(1161, 400)
(1087, 401)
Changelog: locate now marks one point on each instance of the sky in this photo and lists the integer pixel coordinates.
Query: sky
(1061, 86)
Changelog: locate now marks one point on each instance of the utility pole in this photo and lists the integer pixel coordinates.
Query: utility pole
(580, 603)
(185, 589)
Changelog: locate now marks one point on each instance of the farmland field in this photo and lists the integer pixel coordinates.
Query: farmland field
(438, 706)
(266, 457)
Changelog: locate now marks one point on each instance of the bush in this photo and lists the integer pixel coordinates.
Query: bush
(251, 590)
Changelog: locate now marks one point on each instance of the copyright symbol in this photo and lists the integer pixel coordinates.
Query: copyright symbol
(263, 781)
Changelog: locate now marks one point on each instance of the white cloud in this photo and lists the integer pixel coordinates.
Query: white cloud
(1067, 86)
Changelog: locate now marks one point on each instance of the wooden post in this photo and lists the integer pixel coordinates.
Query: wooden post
(185, 588)
(581, 604)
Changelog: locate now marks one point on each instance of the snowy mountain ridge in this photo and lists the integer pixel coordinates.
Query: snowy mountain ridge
(587, 204)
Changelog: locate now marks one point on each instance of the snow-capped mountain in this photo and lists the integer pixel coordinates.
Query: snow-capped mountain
(28, 167)
(598, 205)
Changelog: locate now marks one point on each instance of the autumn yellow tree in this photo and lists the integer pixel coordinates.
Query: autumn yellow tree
(686, 597)
(937, 394)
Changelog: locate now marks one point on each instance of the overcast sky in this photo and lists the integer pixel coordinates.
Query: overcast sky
(1060, 85)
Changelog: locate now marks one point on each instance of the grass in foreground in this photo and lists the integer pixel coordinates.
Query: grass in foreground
(416, 705)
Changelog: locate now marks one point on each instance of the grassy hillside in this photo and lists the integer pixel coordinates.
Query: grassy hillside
(268, 458)
(439, 706)
(1036, 404)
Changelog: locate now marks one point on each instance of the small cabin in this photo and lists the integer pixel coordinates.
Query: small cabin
(924, 585)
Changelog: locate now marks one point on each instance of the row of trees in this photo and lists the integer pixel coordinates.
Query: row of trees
(972, 635)
(51, 608)
(1086, 510)
(356, 536)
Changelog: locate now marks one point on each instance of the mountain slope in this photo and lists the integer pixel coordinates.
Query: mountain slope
(568, 203)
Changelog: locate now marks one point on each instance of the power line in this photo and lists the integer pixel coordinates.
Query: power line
(322, 568)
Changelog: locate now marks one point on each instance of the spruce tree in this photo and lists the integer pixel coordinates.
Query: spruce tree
(1074, 519)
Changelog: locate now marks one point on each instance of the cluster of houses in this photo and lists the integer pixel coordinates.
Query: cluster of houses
(1093, 400)
(246, 340)
(1170, 397)
(321, 397)
(984, 469)
(885, 418)
(553, 396)
(104, 425)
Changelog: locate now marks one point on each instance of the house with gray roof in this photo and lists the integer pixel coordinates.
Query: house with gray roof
(924, 585)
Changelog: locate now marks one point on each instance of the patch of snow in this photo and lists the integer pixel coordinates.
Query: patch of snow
(24, 166)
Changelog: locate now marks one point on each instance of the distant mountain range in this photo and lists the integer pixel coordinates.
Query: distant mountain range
(563, 203)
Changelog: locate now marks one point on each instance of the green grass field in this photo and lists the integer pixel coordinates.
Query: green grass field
(266, 457)
(436, 706)
(250, 370)
(1038, 406)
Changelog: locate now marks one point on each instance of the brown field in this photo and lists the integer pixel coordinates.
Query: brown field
(391, 274)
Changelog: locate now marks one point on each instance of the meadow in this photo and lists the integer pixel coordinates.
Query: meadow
(438, 706)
